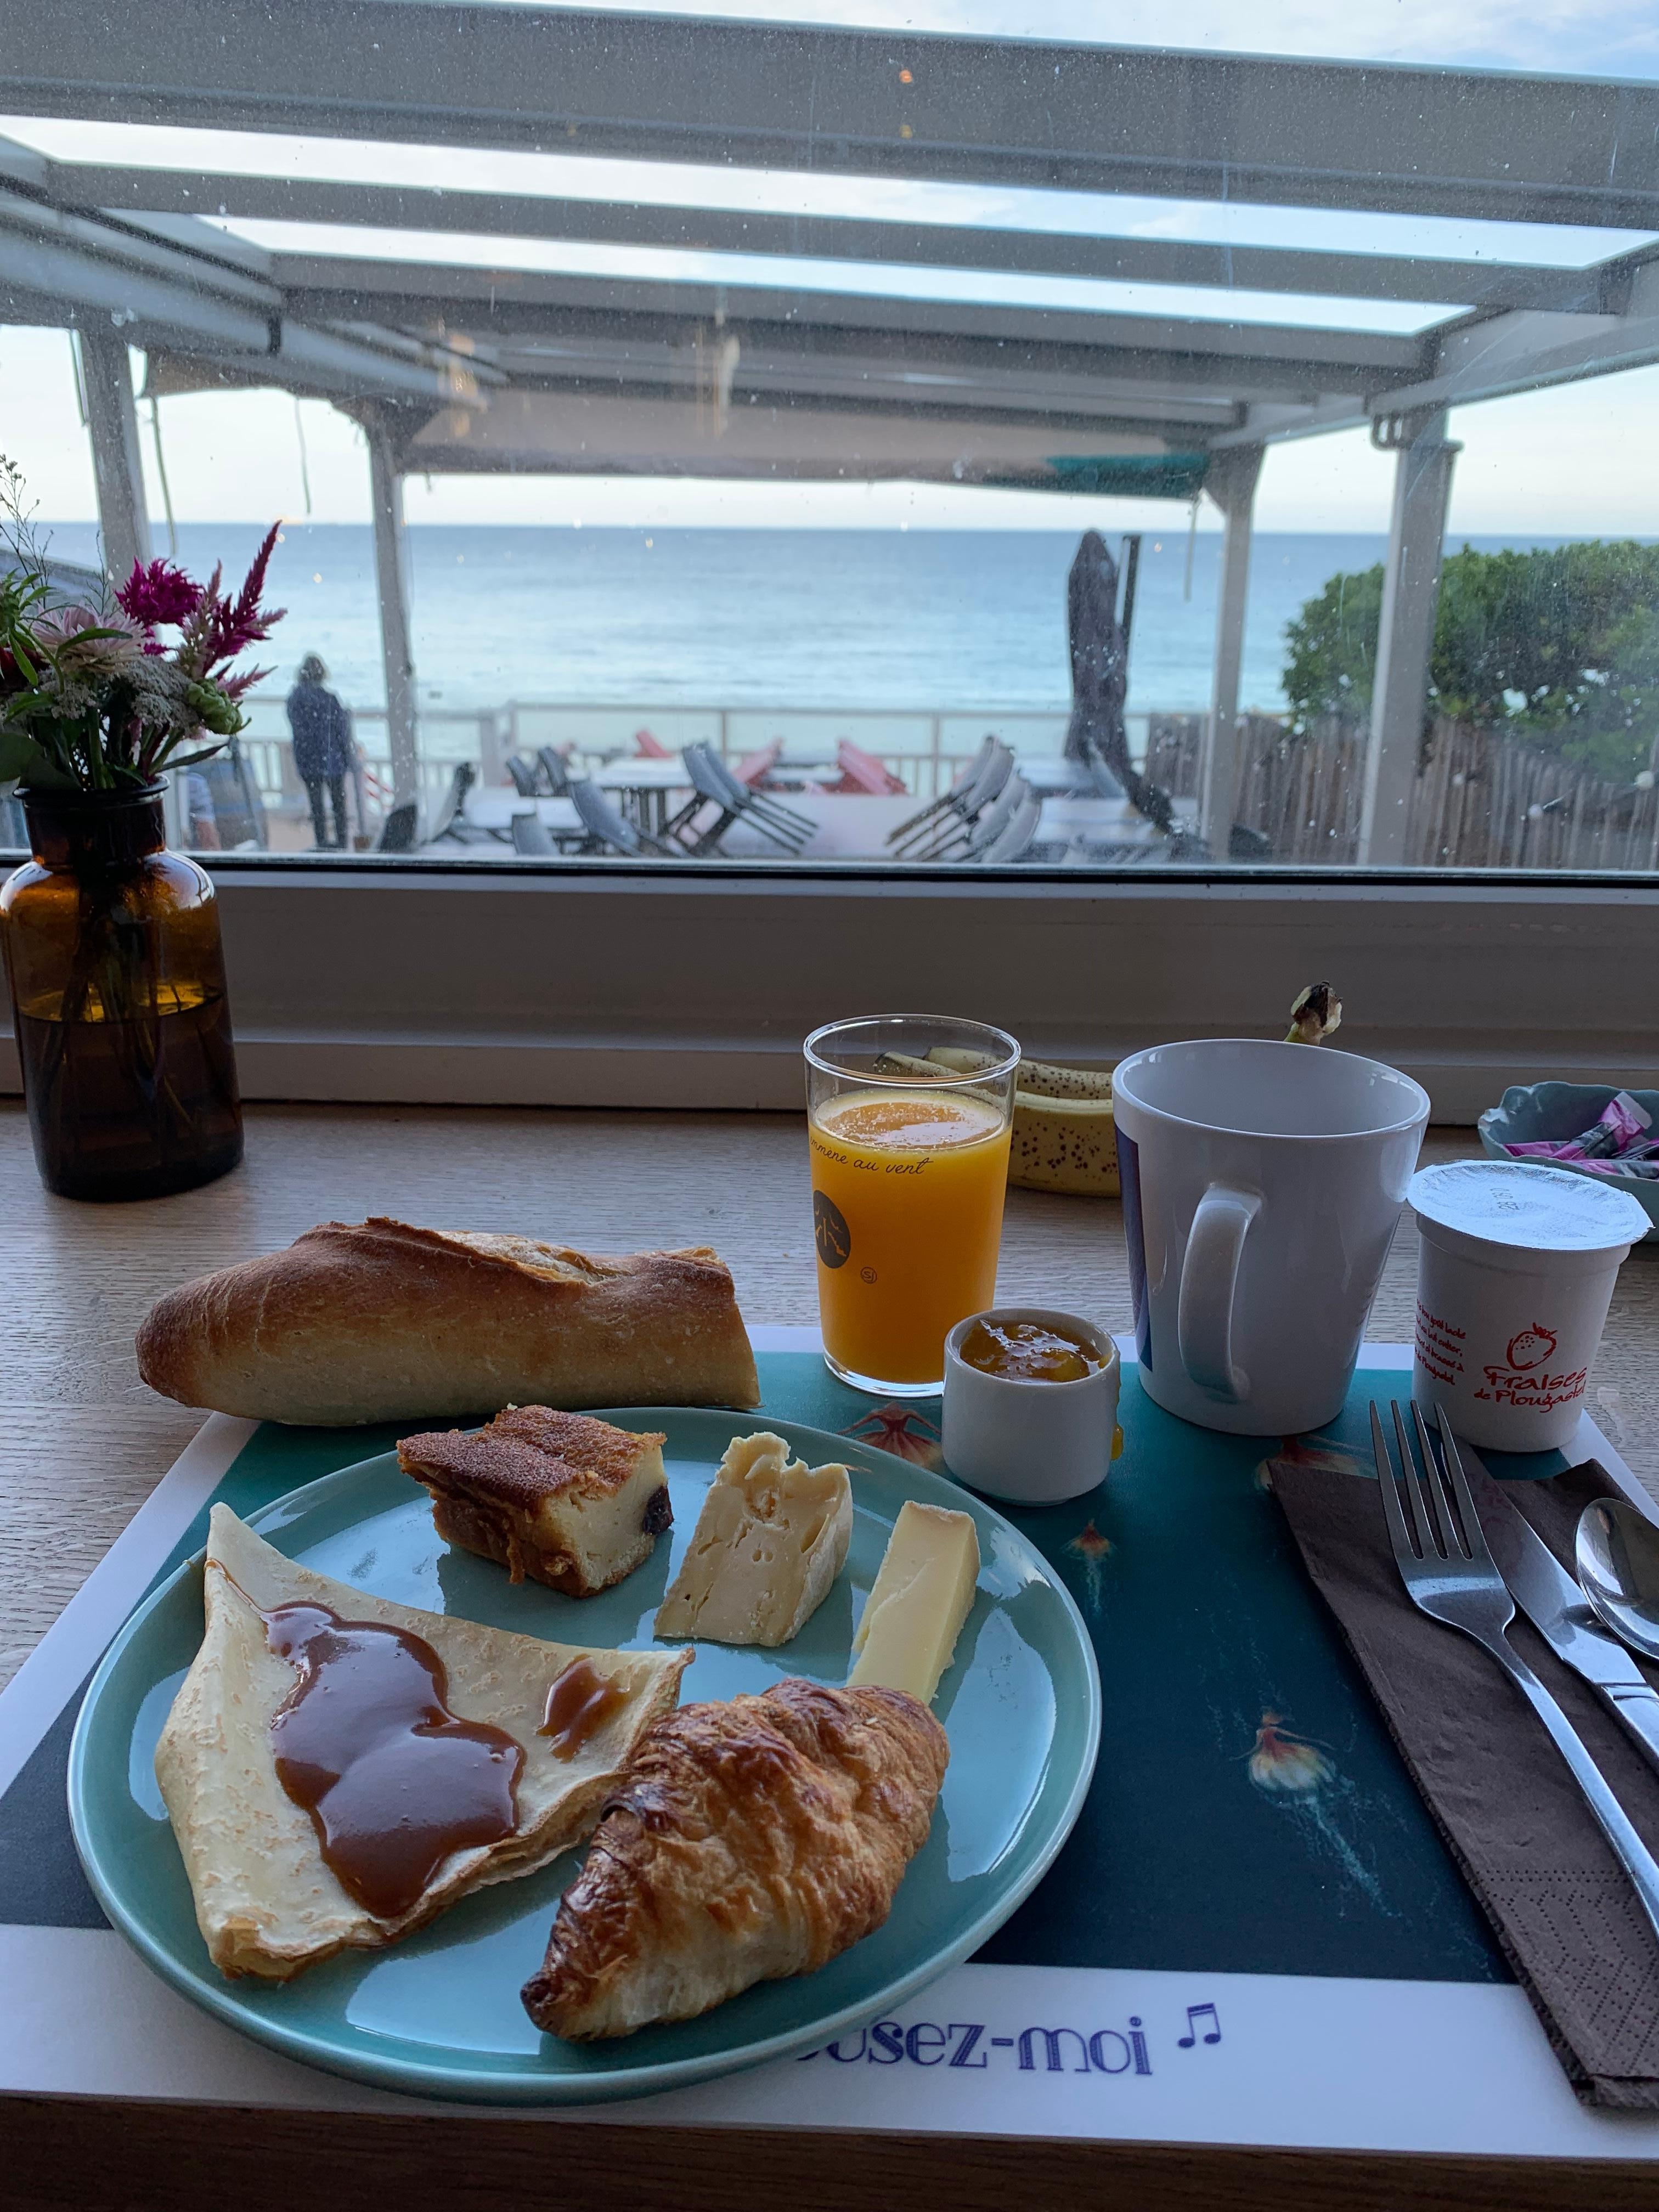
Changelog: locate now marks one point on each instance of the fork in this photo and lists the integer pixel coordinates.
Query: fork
(1450, 1574)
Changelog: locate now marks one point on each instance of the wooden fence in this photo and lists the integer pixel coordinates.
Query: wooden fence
(1481, 799)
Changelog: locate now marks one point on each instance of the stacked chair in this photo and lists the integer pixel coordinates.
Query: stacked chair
(992, 821)
(943, 830)
(713, 784)
(526, 778)
(1017, 837)
(555, 772)
(450, 820)
(936, 807)
(608, 831)
(948, 834)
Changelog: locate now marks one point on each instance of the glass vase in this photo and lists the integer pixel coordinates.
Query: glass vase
(117, 989)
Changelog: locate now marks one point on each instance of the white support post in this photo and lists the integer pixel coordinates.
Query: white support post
(118, 474)
(1411, 596)
(1231, 482)
(386, 492)
(116, 464)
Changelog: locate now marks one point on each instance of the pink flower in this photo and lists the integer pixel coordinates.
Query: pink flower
(242, 621)
(73, 634)
(160, 593)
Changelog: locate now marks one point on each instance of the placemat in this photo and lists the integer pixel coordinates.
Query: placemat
(1250, 1812)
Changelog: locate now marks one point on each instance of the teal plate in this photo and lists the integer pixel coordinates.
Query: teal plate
(440, 2013)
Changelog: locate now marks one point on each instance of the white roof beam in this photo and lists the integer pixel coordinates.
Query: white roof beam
(61, 268)
(887, 103)
(147, 193)
(1523, 352)
(403, 290)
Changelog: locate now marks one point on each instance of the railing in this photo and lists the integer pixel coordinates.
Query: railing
(1483, 798)
(923, 748)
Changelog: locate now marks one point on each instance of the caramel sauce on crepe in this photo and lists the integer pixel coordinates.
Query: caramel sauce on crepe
(580, 1701)
(367, 1745)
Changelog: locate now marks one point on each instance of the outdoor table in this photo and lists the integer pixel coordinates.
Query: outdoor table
(493, 811)
(113, 2092)
(644, 787)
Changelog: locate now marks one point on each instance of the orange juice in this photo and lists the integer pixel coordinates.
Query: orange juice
(907, 1215)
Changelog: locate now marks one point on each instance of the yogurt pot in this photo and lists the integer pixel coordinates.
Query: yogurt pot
(1515, 1274)
(1033, 1443)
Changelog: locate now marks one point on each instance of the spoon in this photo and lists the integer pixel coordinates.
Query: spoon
(1617, 1556)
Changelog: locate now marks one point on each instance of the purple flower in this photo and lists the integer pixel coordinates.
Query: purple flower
(160, 593)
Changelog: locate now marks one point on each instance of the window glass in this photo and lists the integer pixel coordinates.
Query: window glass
(1198, 454)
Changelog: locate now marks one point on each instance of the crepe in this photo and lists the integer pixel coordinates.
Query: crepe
(266, 1900)
(750, 1841)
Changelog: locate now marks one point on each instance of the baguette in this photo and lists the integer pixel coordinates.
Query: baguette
(387, 1323)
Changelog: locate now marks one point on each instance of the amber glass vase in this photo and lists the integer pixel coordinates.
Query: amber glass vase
(117, 988)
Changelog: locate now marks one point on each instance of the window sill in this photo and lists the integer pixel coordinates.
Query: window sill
(608, 984)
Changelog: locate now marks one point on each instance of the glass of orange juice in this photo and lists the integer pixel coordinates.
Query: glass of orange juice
(907, 1119)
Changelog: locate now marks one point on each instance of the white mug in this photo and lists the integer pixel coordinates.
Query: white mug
(1262, 1185)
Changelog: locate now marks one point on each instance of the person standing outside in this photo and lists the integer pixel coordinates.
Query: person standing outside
(323, 749)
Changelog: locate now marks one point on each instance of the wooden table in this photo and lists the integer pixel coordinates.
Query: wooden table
(83, 1442)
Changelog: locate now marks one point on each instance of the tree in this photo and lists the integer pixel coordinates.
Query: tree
(1559, 646)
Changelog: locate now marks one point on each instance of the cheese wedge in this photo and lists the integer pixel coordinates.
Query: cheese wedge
(922, 1595)
(770, 1540)
(267, 1901)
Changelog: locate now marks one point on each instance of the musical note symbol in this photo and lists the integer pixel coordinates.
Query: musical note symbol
(1194, 2013)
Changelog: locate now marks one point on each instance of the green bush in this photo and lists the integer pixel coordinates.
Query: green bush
(1559, 646)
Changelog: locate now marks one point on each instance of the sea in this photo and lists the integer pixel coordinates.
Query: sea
(883, 620)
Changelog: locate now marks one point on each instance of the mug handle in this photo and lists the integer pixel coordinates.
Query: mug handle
(1209, 1277)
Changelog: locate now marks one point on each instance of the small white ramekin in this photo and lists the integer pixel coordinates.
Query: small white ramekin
(1037, 1443)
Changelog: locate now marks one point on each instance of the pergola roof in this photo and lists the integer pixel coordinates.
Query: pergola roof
(737, 339)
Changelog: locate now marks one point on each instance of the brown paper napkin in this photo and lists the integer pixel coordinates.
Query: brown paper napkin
(1498, 1789)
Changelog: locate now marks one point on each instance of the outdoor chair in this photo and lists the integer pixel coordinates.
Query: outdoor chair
(398, 831)
(451, 820)
(937, 807)
(531, 836)
(780, 822)
(607, 830)
(1018, 836)
(238, 811)
(555, 770)
(685, 828)
(947, 835)
(526, 778)
(860, 771)
(713, 784)
(993, 820)
(754, 767)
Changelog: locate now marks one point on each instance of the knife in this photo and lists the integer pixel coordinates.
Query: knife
(1558, 1608)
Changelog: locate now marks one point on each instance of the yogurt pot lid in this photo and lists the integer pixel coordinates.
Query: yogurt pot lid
(1529, 1206)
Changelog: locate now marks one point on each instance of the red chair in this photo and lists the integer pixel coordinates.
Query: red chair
(754, 767)
(862, 772)
(645, 747)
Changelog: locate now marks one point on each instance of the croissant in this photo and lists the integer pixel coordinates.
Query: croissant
(750, 1841)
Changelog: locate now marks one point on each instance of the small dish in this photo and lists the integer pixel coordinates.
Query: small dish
(1534, 1113)
(1033, 1443)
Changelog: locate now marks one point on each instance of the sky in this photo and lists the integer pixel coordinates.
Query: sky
(1553, 462)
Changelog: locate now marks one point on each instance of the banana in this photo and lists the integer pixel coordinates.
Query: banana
(1063, 1135)
(1064, 1144)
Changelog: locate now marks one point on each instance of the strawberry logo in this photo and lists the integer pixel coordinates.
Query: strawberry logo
(1532, 1347)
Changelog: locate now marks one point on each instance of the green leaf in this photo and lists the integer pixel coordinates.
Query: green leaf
(19, 756)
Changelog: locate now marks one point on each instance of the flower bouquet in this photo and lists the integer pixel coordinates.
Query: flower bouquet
(90, 698)
(112, 943)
